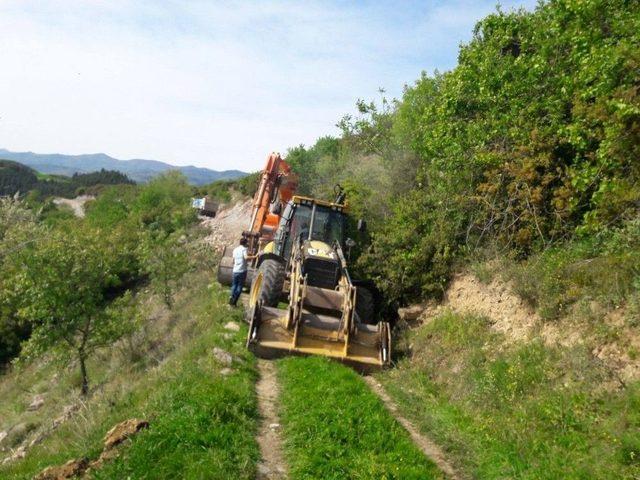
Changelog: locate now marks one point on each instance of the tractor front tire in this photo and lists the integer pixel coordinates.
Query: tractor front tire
(273, 274)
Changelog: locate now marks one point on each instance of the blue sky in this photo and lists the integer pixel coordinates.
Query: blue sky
(212, 84)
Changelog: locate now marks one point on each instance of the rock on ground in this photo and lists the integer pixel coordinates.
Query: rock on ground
(36, 403)
(122, 431)
(223, 357)
(17, 454)
(68, 470)
(114, 437)
(233, 326)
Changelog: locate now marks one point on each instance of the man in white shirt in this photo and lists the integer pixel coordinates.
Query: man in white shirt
(240, 257)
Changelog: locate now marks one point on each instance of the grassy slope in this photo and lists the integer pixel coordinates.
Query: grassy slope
(520, 411)
(200, 420)
(336, 428)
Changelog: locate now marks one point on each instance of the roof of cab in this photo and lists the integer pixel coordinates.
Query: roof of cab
(303, 199)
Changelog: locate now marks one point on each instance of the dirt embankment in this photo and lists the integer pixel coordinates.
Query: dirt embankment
(228, 224)
(518, 322)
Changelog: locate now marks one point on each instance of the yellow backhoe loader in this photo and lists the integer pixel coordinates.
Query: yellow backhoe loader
(326, 313)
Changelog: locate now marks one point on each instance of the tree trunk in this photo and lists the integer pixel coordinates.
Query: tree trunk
(168, 297)
(83, 374)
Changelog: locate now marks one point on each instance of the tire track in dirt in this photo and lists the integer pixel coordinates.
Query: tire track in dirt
(426, 445)
(272, 466)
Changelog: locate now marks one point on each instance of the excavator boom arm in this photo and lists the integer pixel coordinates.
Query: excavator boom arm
(278, 183)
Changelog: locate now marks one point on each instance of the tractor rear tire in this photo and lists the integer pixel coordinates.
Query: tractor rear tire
(272, 282)
(365, 306)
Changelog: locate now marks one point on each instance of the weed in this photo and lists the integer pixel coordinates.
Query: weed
(594, 269)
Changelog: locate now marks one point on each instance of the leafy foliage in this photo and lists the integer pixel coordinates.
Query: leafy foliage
(66, 282)
(165, 259)
(62, 291)
(222, 190)
(530, 141)
(18, 231)
(163, 204)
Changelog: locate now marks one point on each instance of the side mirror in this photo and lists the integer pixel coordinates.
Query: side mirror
(362, 225)
(350, 243)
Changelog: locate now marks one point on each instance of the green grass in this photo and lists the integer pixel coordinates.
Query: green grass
(523, 411)
(604, 269)
(335, 428)
(202, 424)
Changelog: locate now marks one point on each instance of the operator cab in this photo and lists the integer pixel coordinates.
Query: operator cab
(316, 226)
(308, 219)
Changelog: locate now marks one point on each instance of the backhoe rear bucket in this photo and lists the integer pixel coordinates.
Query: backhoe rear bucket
(225, 269)
(317, 322)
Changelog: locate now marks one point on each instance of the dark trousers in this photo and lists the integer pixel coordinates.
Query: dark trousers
(236, 286)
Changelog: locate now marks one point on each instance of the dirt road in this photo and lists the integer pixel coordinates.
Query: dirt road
(272, 466)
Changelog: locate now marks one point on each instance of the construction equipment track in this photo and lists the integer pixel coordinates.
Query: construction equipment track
(428, 447)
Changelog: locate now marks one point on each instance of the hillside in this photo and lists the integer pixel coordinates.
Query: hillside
(16, 178)
(502, 200)
(138, 170)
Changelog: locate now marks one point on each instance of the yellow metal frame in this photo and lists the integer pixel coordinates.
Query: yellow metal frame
(336, 206)
(274, 331)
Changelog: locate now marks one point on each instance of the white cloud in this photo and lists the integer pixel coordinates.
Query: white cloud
(215, 84)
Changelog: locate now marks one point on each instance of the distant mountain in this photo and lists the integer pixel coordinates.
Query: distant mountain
(138, 170)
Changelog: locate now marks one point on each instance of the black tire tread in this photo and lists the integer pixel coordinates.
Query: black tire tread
(272, 282)
(365, 306)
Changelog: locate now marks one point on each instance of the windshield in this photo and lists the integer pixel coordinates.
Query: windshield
(328, 226)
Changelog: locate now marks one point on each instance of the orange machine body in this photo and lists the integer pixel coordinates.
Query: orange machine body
(278, 183)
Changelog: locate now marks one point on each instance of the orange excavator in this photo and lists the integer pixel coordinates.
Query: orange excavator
(278, 184)
(299, 243)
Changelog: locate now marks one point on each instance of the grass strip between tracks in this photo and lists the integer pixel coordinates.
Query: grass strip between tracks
(335, 427)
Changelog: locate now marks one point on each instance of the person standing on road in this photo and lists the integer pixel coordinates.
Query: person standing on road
(240, 257)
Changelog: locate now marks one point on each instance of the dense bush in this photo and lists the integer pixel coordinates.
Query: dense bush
(222, 190)
(531, 140)
(18, 229)
(601, 268)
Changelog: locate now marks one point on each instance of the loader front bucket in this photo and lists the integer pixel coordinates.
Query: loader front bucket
(300, 329)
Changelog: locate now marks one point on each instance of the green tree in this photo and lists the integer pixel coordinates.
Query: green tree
(64, 289)
(165, 259)
(164, 204)
(18, 232)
